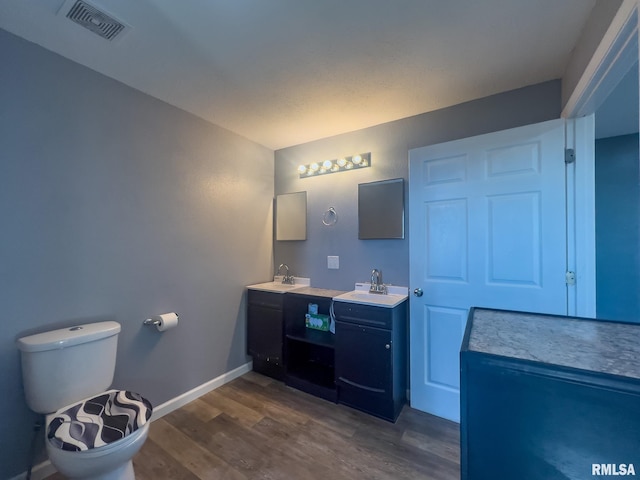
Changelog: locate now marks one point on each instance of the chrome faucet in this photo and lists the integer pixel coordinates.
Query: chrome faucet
(376, 283)
(287, 279)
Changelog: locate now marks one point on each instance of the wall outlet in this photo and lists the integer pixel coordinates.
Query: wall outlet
(333, 262)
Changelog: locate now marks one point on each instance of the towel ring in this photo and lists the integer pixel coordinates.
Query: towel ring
(330, 217)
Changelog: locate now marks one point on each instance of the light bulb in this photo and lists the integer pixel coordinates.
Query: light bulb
(348, 166)
(357, 159)
(341, 162)
(302, 169)
(327, 164)
(314, 166)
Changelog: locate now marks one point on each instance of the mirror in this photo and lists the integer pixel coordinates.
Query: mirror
(381, 209)
(291, 216)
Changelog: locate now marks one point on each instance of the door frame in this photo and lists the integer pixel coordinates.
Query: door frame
(616, 53)
(612, 59)
(580, 182)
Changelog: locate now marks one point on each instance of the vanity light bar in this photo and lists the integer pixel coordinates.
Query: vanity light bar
(354, 162)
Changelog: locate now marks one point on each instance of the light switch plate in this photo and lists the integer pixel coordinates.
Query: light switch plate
(333, 262)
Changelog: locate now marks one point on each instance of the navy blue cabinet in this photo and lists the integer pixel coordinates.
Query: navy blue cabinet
(265, 327)
(363, 365)
(538, 401)
(525, 421)
(371, 358)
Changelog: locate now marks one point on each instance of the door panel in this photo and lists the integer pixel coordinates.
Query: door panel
(264, 335)
(446, 232)
(487, 224)
(443, 345)
(514, 258)
(363, 358)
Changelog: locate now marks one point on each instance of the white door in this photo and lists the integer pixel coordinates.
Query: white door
(487, 220)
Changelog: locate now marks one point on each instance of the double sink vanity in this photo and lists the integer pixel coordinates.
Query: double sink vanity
(363, 364)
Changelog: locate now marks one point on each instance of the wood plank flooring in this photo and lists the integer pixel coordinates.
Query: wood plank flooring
(258, 428)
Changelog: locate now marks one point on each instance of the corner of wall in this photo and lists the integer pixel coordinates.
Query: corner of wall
(592, 33)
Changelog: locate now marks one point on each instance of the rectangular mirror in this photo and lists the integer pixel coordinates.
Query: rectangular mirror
(291, 216)
(381, 209)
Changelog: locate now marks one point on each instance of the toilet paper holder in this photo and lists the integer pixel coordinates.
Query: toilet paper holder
(154, 321)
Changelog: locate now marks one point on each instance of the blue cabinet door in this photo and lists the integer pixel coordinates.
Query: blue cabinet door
(364, 368)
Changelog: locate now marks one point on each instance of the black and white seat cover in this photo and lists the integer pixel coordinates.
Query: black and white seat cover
(99, 421)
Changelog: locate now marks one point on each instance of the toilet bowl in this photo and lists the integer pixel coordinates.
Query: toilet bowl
(111, 462)
(91, 433)
(96, 438)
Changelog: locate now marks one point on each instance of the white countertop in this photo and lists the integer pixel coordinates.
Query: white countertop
(276, 286)
(395, 296)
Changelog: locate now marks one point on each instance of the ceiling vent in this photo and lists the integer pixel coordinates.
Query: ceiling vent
(95, 20)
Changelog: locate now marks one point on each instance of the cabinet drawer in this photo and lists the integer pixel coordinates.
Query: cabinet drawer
(266, 299)
(379, 404)
(378, 317)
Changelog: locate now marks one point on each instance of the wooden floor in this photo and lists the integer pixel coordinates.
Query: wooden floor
(258, 428)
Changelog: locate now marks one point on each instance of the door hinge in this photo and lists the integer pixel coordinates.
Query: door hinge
(570, 278)
(569, 155)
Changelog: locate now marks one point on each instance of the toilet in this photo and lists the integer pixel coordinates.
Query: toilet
(91, 432)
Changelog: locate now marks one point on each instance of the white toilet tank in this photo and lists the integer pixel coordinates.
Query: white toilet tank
(66, 365)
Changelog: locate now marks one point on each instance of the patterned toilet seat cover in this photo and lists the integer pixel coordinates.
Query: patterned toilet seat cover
(96, 422)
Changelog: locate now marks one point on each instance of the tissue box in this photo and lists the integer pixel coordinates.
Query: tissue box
(317, 321)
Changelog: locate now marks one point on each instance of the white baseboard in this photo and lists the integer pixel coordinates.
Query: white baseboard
(44, 469)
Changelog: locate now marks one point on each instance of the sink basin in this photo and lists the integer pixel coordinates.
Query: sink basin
(278, 287)
(362, 296)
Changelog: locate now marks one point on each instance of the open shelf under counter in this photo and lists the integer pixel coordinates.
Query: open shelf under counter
(314, 380)
(314, 337)
(309, 353)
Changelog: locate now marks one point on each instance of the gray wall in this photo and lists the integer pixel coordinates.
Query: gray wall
(117, 206)
(389, 145)
(617, 228)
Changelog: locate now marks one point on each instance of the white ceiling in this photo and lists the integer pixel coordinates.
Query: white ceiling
(283, 72)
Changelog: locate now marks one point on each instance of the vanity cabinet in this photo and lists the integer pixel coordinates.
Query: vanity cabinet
(265, 328)
(371, 357)
(309, 353)
(363, 365)
(547, 397)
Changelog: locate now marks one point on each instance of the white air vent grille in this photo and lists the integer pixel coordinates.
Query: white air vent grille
(93, 19)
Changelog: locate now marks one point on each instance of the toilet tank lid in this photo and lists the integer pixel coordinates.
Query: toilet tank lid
(67, 337)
